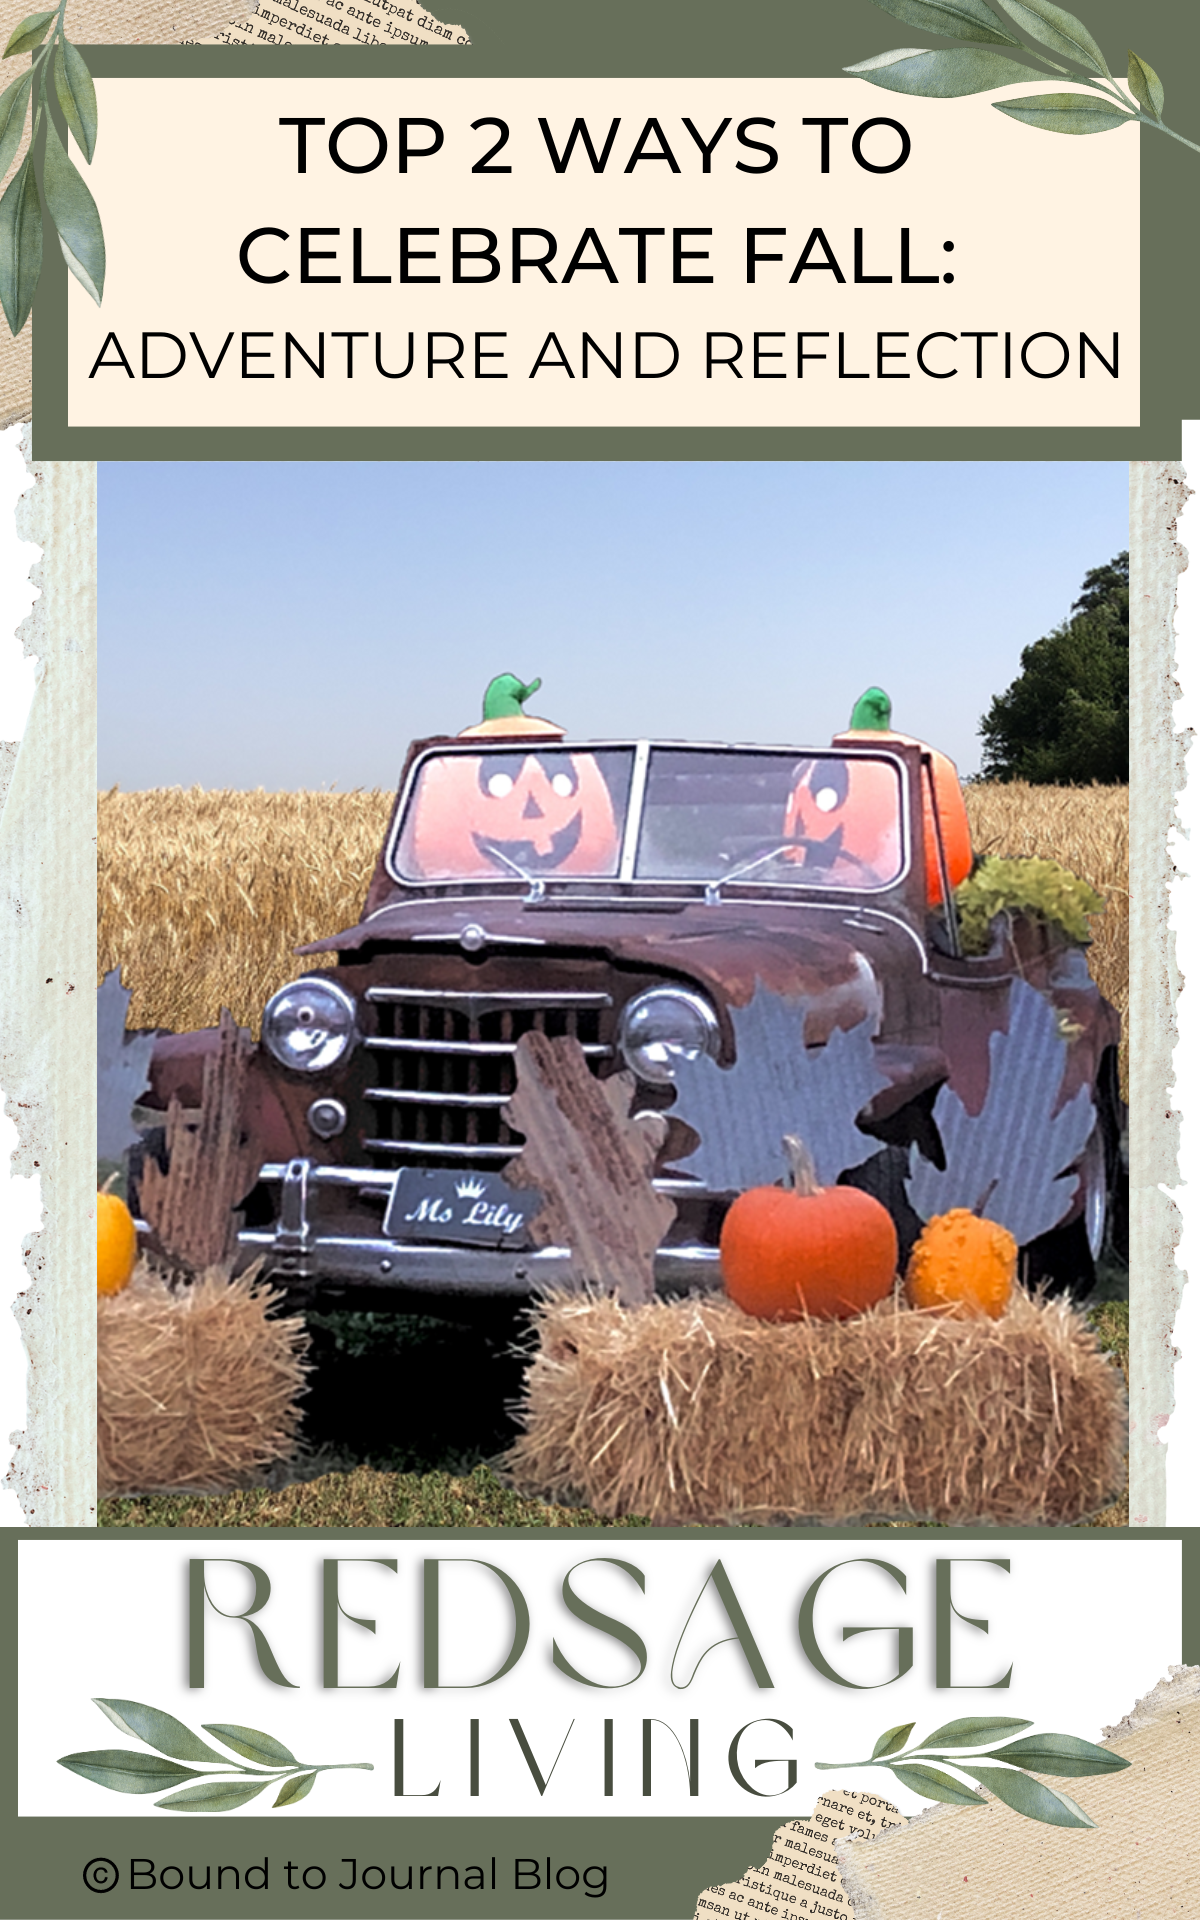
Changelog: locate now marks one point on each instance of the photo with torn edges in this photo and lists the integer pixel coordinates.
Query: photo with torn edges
(613, 994)
(802, 1873)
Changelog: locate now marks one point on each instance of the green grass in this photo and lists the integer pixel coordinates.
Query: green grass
(360, 1498)
(1110, 1322)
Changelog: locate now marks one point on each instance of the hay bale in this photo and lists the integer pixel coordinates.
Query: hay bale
(197, 1388)
(691, 1412)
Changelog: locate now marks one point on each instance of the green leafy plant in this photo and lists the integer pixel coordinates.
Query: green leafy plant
(945, 73)
(127, 1770)
(63, 197)
(1039, 888)
(1058, 1754)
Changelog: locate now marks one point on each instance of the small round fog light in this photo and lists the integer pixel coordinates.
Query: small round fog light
(327, 1118)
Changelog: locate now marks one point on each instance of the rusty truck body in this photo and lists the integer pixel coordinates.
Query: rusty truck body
(632, 894)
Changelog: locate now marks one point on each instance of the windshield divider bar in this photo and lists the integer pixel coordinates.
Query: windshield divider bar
(633, 812)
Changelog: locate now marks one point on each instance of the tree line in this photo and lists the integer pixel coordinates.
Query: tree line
(1065, 718)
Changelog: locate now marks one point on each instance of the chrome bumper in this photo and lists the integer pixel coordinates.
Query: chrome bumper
(295, 1249)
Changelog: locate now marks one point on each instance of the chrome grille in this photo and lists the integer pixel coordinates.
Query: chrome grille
(443, 1065)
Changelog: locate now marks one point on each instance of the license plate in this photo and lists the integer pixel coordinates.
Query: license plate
(467, 1209)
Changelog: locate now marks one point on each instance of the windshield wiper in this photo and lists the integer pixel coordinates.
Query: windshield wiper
(537, 886)
(712, 888)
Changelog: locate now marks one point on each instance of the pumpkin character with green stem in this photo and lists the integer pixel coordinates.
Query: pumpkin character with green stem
(871, 725)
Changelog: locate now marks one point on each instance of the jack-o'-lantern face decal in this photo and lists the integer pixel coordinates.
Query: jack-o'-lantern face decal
(845, 814)
(511, 813)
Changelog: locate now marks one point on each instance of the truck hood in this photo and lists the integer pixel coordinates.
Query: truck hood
(796, 950)
(835, 958)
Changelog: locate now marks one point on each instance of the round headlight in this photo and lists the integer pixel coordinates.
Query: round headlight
(665, 1025)
(310, 1025)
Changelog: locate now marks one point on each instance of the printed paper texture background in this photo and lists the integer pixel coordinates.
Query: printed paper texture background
(1139, 1861)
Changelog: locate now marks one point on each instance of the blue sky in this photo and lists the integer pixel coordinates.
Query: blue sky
(295, 625)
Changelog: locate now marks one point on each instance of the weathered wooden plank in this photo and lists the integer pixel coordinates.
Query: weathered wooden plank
(209, 1164)
(593, 1164)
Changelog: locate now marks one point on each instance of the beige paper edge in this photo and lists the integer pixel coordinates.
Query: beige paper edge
(987, 1863)
(1157, 492)
(48, 1026)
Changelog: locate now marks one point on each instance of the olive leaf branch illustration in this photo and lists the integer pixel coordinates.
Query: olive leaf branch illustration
(1058, 1754)
(945, 73)
(68, 203)
(125, 1770)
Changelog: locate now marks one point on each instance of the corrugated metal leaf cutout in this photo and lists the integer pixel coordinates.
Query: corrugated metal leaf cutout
(123, 1063)
(777, 1085)
(1016, 1145)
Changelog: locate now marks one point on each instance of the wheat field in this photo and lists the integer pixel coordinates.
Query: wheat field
(205, 895)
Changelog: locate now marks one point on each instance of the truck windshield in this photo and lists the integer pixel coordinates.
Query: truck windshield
(708, 815)
(540, 812)
(779, 819)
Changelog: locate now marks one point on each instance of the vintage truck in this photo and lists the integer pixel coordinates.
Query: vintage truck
(634, 894)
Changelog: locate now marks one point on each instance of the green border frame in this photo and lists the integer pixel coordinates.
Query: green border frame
(654, 1861)
(671, 38)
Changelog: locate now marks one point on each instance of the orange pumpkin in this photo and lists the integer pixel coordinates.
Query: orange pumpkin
(540, 813)
(826, 1252)
(846, 814)
(116, 1243)
(951, 809)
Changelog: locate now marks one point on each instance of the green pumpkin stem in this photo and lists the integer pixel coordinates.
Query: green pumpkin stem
(801, 1176)
(872, 712)
(505, 695)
